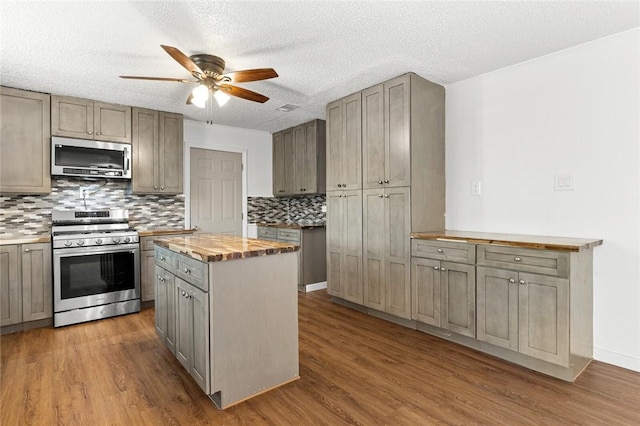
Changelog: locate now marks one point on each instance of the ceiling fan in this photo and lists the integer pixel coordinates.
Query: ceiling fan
(208, 71)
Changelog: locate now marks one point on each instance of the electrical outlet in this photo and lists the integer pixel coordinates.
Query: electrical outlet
(476, 188)
(563, 182)
(324, 209)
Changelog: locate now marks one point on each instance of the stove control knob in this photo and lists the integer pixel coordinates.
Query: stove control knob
(127, 239)
(80, 242)
(67, 243)
(116, 240)
(98, 241)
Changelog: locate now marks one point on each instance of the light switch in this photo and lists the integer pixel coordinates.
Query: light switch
(476, 188)
(563, 182)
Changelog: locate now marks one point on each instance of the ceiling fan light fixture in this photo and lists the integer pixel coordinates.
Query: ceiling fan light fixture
(221, 97)
(200, 95)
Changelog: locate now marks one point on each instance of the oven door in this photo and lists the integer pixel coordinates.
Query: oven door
(92, 276)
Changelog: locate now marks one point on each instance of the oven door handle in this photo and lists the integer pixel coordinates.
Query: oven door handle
(88, 251)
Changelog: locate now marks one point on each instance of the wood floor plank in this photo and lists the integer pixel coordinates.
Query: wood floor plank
(354, 369)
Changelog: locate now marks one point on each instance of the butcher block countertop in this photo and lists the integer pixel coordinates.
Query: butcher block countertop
(216, 248)
(513, 240)
(157, 232)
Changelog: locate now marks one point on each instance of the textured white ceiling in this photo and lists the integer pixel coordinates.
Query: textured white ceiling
(322, 50)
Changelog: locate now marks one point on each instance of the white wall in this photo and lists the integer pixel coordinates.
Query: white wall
(574, 112)
(254, 145)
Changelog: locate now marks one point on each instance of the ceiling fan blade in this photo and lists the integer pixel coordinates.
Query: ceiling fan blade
(179, 80)
(243, 93)
(184, 60)
(190, 99)
(250, 75)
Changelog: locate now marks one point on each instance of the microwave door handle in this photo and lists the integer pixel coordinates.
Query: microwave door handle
(126, 156)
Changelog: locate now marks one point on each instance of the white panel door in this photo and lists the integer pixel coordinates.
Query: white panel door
(216, 191)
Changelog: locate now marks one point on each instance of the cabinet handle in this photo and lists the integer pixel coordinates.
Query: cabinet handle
(89, 132)
(162, 259)
(443, 269)
(386, 181)
(187, 270)
(522, 282)
(27, 250)
(511, 280)
(517, 259)
(440, 251)
(435, 268)
(160, 278)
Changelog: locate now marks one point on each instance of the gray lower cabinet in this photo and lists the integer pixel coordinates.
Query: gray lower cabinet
(344, 245)
(25, 133)
(147, 265)
(25, 283)
(182, 312)
(312, 260)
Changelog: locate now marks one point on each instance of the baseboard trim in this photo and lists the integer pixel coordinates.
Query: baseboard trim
(617, 359)
(315, 286)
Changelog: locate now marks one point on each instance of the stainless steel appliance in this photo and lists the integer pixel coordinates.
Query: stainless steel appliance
(87, 158)
(96, 265)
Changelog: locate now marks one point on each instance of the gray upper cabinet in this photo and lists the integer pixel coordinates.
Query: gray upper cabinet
(25, 133)
(299, 160)
(344, 143)
(157, 152)
(87, 119)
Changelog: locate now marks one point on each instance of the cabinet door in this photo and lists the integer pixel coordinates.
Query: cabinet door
(145, 153)
(161, 306)
(288, 160)
(200, 331)
(71, 117)
(458, 286)
(147, 275)
(425, 276)
(170, 148)
(111, 123)
(335, 207)
(10, 294)
(373, 147)
(25, 133)
(311, 178)
(335, 145)
(36, 282)
(497, 307)
(352, 246)
(397, 133)
(278, 163)
(543, 305)
(299, 171)
(352, 148)
(373, 248)
(397, 227)
(184, 328)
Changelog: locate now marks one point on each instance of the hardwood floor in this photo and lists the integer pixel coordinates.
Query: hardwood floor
(354, 368)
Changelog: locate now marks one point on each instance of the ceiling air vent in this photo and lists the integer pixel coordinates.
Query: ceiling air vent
(287, 107)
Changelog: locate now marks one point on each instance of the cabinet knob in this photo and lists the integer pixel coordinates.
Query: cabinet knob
(162, 258)
(162, 188)
(380, 182)
(160, 278)
(27, 250)
(386, 195)
(522, 282)
(517, 259)
(386, 181)
(155, 187)
(89, 132)
(440, 251)
(435, 268)
(443, 269)
(511, 280)
(187, 270)
(379, 195)
(98, 133)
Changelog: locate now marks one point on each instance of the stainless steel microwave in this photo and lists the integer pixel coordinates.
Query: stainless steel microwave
(87, 158)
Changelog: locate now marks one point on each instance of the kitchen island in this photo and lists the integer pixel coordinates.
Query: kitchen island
(227, 308)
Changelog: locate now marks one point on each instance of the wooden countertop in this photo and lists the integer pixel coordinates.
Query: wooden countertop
(291, 225)
(514, 240)
(216, 248)
(8, 239)
(159, 232)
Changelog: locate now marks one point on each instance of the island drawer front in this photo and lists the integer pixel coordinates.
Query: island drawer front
(165, 258)
(444, 250)
(292, 235)
(526, 260)
(267, 233)
(192, 271)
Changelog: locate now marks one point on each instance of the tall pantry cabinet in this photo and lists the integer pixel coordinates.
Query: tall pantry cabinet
(402, 186)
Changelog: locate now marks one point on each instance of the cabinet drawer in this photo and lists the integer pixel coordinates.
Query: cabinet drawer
(192, 271)
(292, 235)
(444, 250)
(527, 260)
(165, 258)
(267, 233)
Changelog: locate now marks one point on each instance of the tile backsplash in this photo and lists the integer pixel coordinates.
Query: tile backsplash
(31, 214)
(306, 210)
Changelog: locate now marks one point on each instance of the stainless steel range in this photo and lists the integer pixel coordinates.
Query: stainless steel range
(96, 265)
